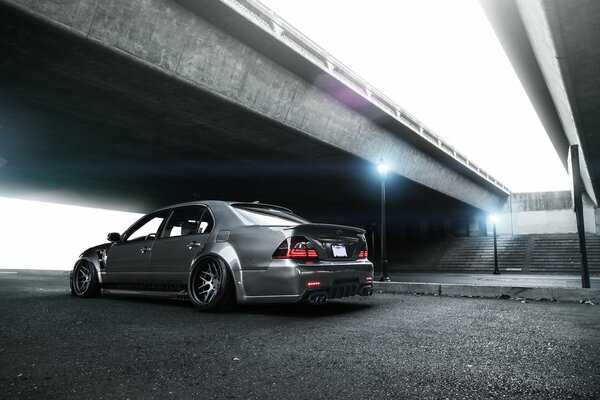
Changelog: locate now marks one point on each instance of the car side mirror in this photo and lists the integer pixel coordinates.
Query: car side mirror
(113, 237)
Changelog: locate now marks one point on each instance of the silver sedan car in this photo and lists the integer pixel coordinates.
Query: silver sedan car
(219, 253)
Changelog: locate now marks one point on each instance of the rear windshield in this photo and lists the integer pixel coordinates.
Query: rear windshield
(253, 216)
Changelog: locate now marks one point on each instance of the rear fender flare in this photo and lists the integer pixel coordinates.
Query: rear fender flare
(227, 254)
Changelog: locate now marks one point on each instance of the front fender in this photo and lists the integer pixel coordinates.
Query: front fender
(94, 262)
(92, 258)
(93, 255)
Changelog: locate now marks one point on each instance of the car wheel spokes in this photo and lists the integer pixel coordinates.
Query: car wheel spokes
(207, 282)
(83, 277)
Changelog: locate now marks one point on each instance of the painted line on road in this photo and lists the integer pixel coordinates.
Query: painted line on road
(7, 272)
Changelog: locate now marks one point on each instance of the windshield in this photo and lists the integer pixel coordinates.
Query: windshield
(255, 216)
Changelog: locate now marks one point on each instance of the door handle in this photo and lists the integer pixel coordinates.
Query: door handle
(193, 245)
(145, 249)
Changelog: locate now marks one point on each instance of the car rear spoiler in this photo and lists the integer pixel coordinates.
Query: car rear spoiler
(262, 206)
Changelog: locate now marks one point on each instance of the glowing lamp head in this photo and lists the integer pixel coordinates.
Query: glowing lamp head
(493, 218)
(382, 169)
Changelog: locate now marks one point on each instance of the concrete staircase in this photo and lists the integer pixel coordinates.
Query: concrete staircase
(554, 254)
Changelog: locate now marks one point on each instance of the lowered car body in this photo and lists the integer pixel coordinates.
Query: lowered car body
(220, 253)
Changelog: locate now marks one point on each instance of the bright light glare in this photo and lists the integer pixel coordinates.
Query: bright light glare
(493, 218)
(38, 235)
(382, 169)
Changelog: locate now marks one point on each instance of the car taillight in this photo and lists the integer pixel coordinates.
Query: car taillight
(295, 247)
(363, 253)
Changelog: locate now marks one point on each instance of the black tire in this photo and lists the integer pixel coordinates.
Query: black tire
(211, 287)
(84, 280)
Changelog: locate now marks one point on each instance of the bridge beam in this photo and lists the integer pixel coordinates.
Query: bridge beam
(169, 40)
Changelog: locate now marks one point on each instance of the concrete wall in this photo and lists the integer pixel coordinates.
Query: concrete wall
(544, 212)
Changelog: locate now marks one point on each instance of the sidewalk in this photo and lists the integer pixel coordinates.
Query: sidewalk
(535, 287)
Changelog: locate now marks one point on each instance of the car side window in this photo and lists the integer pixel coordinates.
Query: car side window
(146, 228)
(187, 221)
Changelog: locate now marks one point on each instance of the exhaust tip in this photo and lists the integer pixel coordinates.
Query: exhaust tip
(317, 298)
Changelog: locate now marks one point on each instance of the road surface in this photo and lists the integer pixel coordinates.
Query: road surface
(53, 345)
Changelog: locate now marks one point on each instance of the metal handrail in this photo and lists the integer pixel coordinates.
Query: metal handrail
(265, 18)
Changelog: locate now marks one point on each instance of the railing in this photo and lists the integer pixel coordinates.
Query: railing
(272, 23)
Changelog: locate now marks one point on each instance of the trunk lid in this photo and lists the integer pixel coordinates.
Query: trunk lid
(332, 242)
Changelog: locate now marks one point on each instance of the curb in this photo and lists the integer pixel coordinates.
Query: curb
(459, 290)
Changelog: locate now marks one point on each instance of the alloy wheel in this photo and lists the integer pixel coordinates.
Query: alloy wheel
(83, 277)
(208, 278)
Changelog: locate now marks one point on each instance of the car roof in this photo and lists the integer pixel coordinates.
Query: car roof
(209, 203)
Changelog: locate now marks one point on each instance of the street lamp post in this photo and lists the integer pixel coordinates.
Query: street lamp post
(493, 218)
(382, 169)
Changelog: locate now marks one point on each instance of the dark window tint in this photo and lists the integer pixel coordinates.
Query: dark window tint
(257, 216)
(185, 221)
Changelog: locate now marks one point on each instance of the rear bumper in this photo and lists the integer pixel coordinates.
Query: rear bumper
(288, 282)
(338, 291)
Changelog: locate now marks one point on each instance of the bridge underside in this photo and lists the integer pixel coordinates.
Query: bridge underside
(84, 125)
(553, 47)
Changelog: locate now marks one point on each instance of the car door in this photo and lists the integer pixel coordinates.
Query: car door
(128, 260)
(181, 241)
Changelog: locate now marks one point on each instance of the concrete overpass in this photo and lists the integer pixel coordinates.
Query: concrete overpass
(553, 47)
(133, 105)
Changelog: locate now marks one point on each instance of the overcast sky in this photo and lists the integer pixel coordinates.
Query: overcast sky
(441, 61)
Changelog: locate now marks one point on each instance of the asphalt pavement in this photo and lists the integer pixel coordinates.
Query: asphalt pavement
(53, 345)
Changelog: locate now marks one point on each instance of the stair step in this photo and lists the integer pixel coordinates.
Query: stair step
(557, 253)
